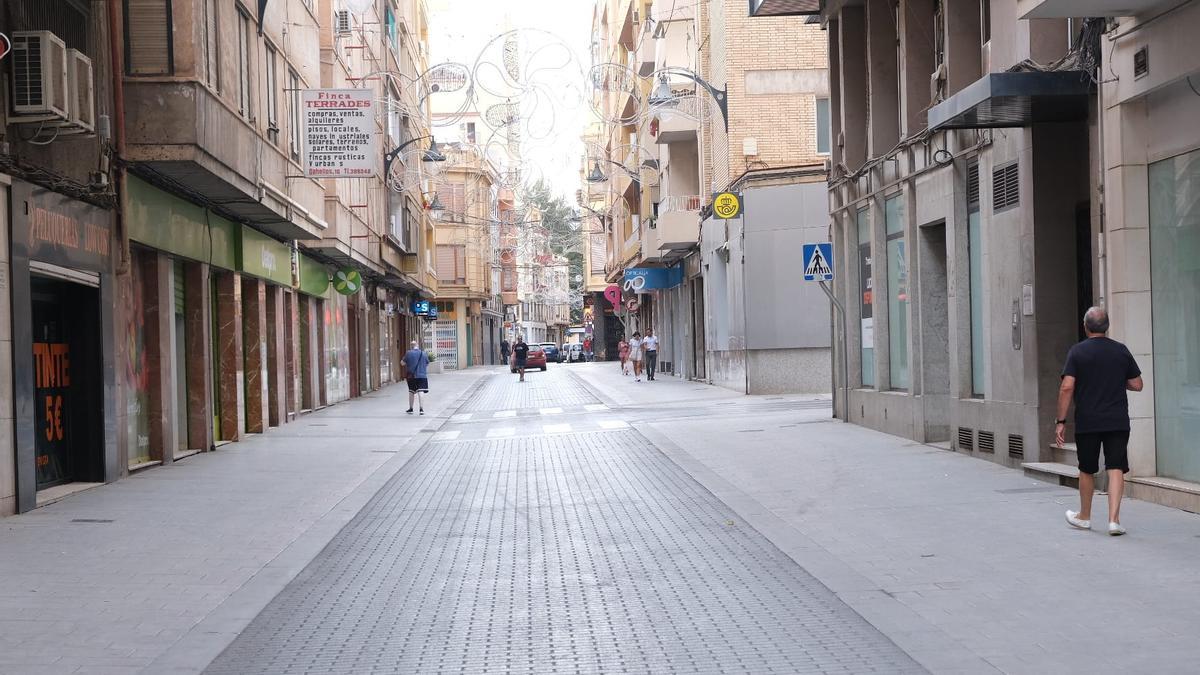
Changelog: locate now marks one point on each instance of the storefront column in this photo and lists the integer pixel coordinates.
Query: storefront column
(158, 315)
(276, 365)
(291, 347)
(197, 319)
(254, 321)
(322, 388)
(229, 322)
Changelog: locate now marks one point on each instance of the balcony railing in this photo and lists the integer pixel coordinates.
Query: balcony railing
(677, 203)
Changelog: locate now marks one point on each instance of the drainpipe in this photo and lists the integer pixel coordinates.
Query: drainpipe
(116, 45)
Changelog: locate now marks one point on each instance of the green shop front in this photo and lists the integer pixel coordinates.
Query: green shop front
(215, 313)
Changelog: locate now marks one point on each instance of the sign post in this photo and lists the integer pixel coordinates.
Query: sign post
(339, 133)
(818, 267)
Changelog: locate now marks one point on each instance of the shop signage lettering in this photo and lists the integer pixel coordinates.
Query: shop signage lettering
(339, 133)
(52, 370)
(62, 231)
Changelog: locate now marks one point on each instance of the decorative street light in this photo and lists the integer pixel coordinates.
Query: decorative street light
(596, 175)
(662, 95)
(430, 155)
(436, 210)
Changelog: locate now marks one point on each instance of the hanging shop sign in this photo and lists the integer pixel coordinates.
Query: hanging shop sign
(613, 295)
(5, 45)
(347, 281)
(644, 279)
(168, 223)
(265, 257)
(339, 133)
(422, 307)
(727, 205)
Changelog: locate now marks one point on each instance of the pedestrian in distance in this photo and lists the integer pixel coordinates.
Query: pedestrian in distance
(416, 373)
(637, 349)
(505, 350)
(623, 355)
(650, 346)
(520, 354)
(1097, 376)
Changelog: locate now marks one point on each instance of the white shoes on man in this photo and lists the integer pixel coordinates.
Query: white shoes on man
(1073, 519)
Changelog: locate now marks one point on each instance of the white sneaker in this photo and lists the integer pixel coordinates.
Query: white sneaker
(1074, 521)
(1115, 529)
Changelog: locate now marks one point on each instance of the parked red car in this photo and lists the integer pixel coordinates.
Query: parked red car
(535, 359)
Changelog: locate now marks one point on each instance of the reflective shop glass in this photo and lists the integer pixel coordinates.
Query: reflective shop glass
(1175, 283)
(866, 299)
(897, 274)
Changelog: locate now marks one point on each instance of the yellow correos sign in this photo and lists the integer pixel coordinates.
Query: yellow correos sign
(727, 205)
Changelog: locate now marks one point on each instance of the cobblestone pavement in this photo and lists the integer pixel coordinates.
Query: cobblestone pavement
(553, 545)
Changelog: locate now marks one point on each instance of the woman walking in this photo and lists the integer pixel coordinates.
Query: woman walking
(635, 355)
(623, 354)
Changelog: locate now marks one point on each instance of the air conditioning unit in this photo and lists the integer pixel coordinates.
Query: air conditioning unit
(342, 24)
(81, 93)
(39, 60)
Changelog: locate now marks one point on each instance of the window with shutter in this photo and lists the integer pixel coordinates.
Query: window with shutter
(212, 67)
(244, 40)
(460, 264)
(272, 95)
(148, 37)
(294, 115)
(445, 263)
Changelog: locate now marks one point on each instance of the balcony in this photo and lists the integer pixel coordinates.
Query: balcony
(679, 122)
(678, 225)
(1068, 9)
(183, 133)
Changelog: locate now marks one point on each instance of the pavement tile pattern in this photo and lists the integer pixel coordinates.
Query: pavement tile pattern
(569, 553)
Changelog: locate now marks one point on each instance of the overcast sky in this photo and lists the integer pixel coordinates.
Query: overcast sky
(461, 29)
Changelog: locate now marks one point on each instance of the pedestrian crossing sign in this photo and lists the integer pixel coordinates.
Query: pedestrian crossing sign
(818, 262)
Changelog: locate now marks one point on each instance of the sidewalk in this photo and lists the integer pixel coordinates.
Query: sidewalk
(967, 565)
(111, 580)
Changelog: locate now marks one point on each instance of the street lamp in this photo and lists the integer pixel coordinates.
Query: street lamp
(596, 175)
(662, 91)
(436, 210)
(430, 155)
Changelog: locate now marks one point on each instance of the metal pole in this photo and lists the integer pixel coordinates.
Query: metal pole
(841, 310)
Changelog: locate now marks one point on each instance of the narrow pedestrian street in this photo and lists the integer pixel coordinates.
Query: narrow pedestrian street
(584, 522)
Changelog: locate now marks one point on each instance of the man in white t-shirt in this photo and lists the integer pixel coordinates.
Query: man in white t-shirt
(650, 346)
(635, 356)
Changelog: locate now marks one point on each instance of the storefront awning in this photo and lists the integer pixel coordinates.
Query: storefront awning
(1015, 100)
(784, 7)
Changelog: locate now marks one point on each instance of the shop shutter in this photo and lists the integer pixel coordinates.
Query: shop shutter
(180, 273)
(148, 37)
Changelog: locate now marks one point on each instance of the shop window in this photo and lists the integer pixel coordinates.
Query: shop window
(1175, 280)
(975, 253)
(866, 298)
(897, 271)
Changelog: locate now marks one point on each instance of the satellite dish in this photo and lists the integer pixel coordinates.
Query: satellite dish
(359, 6)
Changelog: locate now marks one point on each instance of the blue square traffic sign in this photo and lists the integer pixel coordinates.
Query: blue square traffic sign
(818, 262)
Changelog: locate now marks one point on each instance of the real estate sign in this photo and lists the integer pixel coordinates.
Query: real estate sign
(339, 133)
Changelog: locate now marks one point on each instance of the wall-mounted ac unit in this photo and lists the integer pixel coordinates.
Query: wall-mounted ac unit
(39, 60)
(81, 93)
(342, 24)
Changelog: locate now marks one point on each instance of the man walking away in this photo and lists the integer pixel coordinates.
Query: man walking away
(1097, 375)
(416, 368)
(520, 353)
(636, 349)
(651, 345)
(505, 350)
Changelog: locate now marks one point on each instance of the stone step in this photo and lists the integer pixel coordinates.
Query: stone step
(1064, 454)
(1053, 472)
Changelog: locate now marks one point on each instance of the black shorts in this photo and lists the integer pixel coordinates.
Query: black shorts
(519, 363)
(418, 384)
(1115, 444)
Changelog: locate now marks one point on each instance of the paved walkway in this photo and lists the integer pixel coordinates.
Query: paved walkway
(969, 566)
(112, 579)
(582, 522)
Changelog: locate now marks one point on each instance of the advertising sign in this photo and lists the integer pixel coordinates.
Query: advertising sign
(643, 279)
(339, 133)
(421, 307)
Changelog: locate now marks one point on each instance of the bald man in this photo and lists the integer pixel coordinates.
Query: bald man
(1098, 373)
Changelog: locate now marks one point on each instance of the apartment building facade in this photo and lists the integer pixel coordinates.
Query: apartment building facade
(200, 253)
(711, 99)
(986, 192)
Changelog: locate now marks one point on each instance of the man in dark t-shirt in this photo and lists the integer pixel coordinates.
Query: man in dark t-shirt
(1098, 373)
(520, 354)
